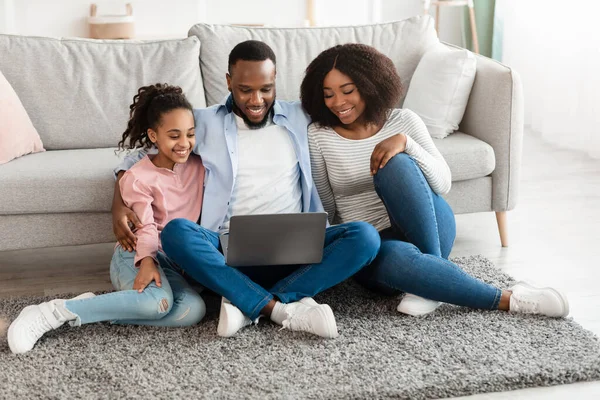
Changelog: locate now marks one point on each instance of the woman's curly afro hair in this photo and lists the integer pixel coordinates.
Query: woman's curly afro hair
(373, 73)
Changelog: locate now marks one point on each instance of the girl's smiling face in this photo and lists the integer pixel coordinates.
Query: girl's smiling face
(174, 137)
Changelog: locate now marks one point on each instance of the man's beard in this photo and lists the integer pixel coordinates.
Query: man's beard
(254, 125)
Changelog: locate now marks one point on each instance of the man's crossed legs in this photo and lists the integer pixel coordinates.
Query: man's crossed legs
(283, 293)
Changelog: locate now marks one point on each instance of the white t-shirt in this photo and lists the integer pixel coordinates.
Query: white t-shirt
(268, 176)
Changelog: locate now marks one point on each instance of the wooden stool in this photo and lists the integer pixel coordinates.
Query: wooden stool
(454, 3)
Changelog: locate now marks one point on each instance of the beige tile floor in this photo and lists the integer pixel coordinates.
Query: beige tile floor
(554, 240)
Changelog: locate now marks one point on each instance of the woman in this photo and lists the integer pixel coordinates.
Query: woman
(364, 169)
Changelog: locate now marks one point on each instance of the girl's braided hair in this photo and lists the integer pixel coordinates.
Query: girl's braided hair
(149, 104)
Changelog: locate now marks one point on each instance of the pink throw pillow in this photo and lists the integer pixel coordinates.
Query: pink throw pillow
(18, 136)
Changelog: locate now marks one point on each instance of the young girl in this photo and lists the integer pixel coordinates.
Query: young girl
(151, 289)
(378, 164)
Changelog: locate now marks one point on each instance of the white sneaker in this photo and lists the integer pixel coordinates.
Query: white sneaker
(416, 305)
(231, 319)
(35, 320)
(317, 319)
(547, 301)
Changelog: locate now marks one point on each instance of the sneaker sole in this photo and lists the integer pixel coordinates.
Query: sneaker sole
(558, 293)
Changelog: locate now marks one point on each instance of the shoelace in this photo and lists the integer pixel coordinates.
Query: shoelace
(525, 305)
(297, 322)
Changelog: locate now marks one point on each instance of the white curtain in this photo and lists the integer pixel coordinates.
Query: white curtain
(555, 47)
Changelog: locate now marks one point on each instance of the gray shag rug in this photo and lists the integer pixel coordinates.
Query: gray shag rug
(379, 354)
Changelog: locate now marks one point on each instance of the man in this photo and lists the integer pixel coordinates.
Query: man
(255, 151)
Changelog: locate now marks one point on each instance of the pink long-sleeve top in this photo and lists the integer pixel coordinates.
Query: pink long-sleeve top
(159, 195)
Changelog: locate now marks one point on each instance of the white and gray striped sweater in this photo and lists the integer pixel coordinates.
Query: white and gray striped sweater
(341, 168)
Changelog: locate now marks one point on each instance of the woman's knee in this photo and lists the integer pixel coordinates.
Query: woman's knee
(191, 310)
(401, 162)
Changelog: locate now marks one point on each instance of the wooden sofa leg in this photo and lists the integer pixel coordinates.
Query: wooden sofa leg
(502, 227)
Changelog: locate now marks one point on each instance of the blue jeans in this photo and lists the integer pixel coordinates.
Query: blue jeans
(348, 247)
(414, 252)
(174, 304)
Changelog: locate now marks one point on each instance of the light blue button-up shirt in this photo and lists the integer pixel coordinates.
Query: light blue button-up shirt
(216, 143)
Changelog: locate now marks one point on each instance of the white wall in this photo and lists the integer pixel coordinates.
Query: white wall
(450, 21)
(6, 16)
(173, 18)
(268, 12)
(157, 18)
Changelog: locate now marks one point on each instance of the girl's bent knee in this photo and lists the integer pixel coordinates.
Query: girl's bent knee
(192, 312)
(154, 303)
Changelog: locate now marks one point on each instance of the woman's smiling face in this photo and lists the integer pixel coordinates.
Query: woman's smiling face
(342, 98)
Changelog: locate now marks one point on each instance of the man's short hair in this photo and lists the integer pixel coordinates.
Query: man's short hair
(250, 50)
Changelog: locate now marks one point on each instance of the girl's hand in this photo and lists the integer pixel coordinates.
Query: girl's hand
(385, 150)
(148, 272)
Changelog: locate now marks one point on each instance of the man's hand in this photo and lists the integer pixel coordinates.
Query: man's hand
(385, 150)
(148, 272)
(121, 219)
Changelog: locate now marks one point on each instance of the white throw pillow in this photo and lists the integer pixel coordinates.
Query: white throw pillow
(440, 87)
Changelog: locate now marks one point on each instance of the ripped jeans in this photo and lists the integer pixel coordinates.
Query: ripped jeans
(174, 304)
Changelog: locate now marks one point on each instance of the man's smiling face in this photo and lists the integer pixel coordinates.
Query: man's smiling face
(252, 84)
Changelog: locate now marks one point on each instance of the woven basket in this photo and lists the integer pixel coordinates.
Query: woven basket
(111, 26)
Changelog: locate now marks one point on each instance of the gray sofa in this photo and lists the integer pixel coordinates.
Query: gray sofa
(77, 93)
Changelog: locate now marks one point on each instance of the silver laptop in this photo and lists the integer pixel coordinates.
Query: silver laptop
(275, 239)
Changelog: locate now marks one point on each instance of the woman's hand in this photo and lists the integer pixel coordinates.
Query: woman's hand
(385, 150)
(122, 216)
(148, 272)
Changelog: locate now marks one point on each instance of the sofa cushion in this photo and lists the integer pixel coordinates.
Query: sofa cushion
(59, 181)
(440, 88)
(404, 42)
(77, 92)
(467, 156)
(82, 180)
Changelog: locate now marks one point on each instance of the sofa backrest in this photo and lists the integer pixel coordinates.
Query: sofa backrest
(403, 41)
(77, 92)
